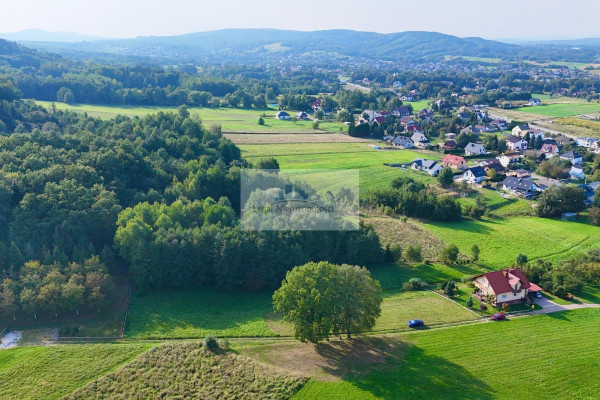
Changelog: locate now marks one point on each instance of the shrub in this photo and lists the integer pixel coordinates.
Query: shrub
(412, 253)
(482, 307)
(470, 302)
(315, 125)
(261, 121)
(449, 255)
(418, 283)
(210, 343)
(505, 307)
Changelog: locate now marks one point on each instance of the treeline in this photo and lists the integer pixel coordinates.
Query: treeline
(45, 76)
(60, 287)
(190, 243)
(413, 199)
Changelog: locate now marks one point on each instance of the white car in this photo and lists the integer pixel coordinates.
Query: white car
(538, 295)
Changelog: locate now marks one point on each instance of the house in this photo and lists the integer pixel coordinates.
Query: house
(520, 130)
(589, 193)
(523, 187)
(586, 141)
(510, 159)
(450, 145)
(474, 175)
(573, 157)
(301, 115)
(474, 149)
(505, 286)
(534, 102)
(433, 168)
(463, 116)
(576, 172)
(403, 142)
(515, 143)
(406, 120)
(420, 140)
(282, 115)
(425, 113)
(455, 162)
(401, 112)
(595, 147)
(544, 183)
(492, 163)
(549, 150)
(561, 140)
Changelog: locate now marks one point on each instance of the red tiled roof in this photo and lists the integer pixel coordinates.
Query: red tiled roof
(504, 280)
(452, 159)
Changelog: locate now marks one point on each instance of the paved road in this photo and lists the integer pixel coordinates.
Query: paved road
(550, 306)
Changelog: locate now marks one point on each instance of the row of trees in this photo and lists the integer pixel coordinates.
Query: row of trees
(55, 288)
(413, 199)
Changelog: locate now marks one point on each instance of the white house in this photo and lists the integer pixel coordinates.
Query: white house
(433, 168)
(282, 115)
(420, 140)
(474, 175)
(573, 157)
(586, 141)
(515, 143)
(403, 142)
(474, 149)
(576, 172)
(520, 130)
(508, 160)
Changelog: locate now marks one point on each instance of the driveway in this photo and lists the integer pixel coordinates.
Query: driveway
(549, 306)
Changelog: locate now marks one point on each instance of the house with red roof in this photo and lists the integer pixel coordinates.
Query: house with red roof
(455, 162)
(504, 286)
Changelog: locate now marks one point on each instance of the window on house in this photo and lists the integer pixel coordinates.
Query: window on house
(503, 296)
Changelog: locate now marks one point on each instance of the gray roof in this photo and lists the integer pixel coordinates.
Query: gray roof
(513, 139)
(571, 155)
(402, 140)
(419, 137)
(474, 147)
(515, 183)
(478, 172)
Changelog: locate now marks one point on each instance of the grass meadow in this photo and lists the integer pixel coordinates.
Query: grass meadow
(502, 239)
(230, 119)
(50, 372)
(562, 109)
(548, 355)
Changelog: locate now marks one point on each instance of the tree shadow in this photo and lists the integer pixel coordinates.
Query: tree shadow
(392, 369)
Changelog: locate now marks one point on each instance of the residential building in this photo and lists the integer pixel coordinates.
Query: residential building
(433, 168)
(573, 157)
(523, 187)
(474, 149)
(474, 175)
(282, 115)
(403, 142)
(576, 172)
(515, 143)
(454, 162)
(510, 159)
(586, 141)
(420, 140)
(505, 286)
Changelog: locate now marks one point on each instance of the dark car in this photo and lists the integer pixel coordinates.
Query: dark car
(498, 317)
(414, 323)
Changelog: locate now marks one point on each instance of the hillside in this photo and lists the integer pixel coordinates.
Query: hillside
(260, 45)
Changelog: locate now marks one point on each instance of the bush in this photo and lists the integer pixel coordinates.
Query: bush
(470, 302)
(210, 343)
(315, 125)
(449, 255)
(261, 121)
(412, 253)
(482, 307)
(505, 307)
(418, 283)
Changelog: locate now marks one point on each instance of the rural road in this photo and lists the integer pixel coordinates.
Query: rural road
(550, 306)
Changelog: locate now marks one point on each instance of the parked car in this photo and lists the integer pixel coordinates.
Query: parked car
(498, 317)
(538, 295)
(414, 323)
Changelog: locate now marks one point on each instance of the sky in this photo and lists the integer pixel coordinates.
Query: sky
(500, 19)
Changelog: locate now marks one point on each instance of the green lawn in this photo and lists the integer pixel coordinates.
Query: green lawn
(196, 313)
(562, 109)
(400, 307)
(369, 162)
(501, 240)
(230, 119)
(53, 371)
(545, 356)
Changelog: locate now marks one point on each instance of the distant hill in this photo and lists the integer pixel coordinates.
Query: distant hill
(266, 45)
(38, 35)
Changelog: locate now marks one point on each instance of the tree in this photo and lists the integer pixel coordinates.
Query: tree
(470, 302)
(521, 259)
(560, 199)
(446, 177)
(412, 253)
(261, 121)
(448, 255)
(595, 215)
(322, 298)
(267, 163)
(475, 253)
(357, 303)
(315, 125)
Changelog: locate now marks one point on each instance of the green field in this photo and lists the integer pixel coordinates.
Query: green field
(230, 119)
(203, 312)
(562, 109)
(418, 105)
(312, 156)
(546, 356)
(501, 240)
(54, 371)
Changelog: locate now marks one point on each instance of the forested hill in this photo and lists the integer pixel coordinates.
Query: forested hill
(260, 45)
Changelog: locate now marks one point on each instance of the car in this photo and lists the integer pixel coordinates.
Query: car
(499, 316)
(538, 295)
(414, 323)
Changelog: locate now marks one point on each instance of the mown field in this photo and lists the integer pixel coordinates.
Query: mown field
(203, 312)
(545, 356)
(502, 239)
(344, 156)
(561, 109)
(54, 371)
(230, 119)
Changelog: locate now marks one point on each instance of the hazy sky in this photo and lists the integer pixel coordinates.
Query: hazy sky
(530, 19)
